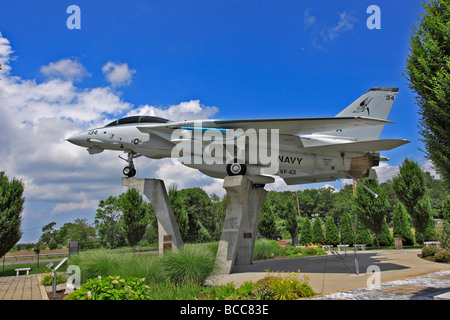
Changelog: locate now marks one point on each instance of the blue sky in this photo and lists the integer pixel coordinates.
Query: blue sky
(217, 59)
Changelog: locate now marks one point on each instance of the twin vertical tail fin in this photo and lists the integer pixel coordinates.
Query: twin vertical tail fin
(375, 103)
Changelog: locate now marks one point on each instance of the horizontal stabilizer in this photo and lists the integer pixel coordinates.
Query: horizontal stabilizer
(358, 146)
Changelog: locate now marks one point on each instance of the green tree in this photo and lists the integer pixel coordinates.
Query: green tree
(82, 231)
(291, 221)
(267, 221)
(370, 210)
(136, 215)
(331, 232)
(362, 234)
(430, 231)
(177, 200)
(437, 191)
(108, 223)
(346, 226)
(306, 235)
(428, 74)
(401, 226)
(317, 229)
(385, 238)
(49, 235)
(199, 209)
(219, 210)
(446, 210)
(410, 189)
(11, 206)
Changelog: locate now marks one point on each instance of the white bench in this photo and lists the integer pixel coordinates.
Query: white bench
(22, 269)
(345, 246)
(432, 243)
(362, 246)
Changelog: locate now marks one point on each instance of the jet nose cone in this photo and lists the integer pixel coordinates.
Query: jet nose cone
(78, 139)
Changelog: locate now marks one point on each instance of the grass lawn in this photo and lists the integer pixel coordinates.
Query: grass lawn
(9, 270)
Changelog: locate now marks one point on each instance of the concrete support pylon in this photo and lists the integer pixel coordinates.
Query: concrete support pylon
(236, 244)
(154, 189)
(248, 234)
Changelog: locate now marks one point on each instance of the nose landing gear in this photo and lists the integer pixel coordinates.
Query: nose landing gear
(129, 170)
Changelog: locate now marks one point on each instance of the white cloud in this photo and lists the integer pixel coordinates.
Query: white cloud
(345, 23)
(5, 54)
(65, 69)
(428, 166)
(118, 75)
(322, 33)
(308, 19)
(71, 206)
(191, 110)
(62, 179)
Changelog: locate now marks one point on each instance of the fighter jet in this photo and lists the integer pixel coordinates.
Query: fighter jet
(299, 150)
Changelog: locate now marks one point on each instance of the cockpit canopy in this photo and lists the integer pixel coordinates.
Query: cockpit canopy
(137, 119)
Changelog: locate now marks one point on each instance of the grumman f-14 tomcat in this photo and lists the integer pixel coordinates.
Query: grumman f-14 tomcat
(299, 150)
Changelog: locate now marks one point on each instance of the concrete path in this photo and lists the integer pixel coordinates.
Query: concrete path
(22, 287)
(331, 274)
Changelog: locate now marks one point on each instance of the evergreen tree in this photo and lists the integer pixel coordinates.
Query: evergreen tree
(11, 206)
(177, 200)
(370, 210)
(362, 234)
(428, 74)
(346, 226)
(135, 215)
(291, 221)
(331, 232)
(446, 210)
(385, 238)
(306, 235)
(430, 231)
(410, 189)
(266, 224)
(318, 236)
(199, 209)
(401, 228)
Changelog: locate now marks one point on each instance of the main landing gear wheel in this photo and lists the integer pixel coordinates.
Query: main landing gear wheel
(236, 169)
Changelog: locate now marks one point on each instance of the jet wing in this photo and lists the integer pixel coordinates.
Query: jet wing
(297, 126)
(358, 146)
(292, 126)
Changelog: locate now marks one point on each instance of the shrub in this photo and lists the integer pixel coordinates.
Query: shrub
(111, 288)
(266, 249)
(192, 263)
(429, 251)
(47, 279)
(443, 255)
(282, 287)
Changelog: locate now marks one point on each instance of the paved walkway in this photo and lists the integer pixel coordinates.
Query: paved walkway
(336, 274)
(432, 286)
(22, 287)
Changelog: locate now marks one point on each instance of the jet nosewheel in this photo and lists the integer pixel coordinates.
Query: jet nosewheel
(236, 169)
(129, 171)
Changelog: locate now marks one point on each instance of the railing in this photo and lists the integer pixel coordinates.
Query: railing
(18, 259)
(7, 260)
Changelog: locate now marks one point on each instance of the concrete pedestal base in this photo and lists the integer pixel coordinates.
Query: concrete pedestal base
(244, 202)
(154, 189)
